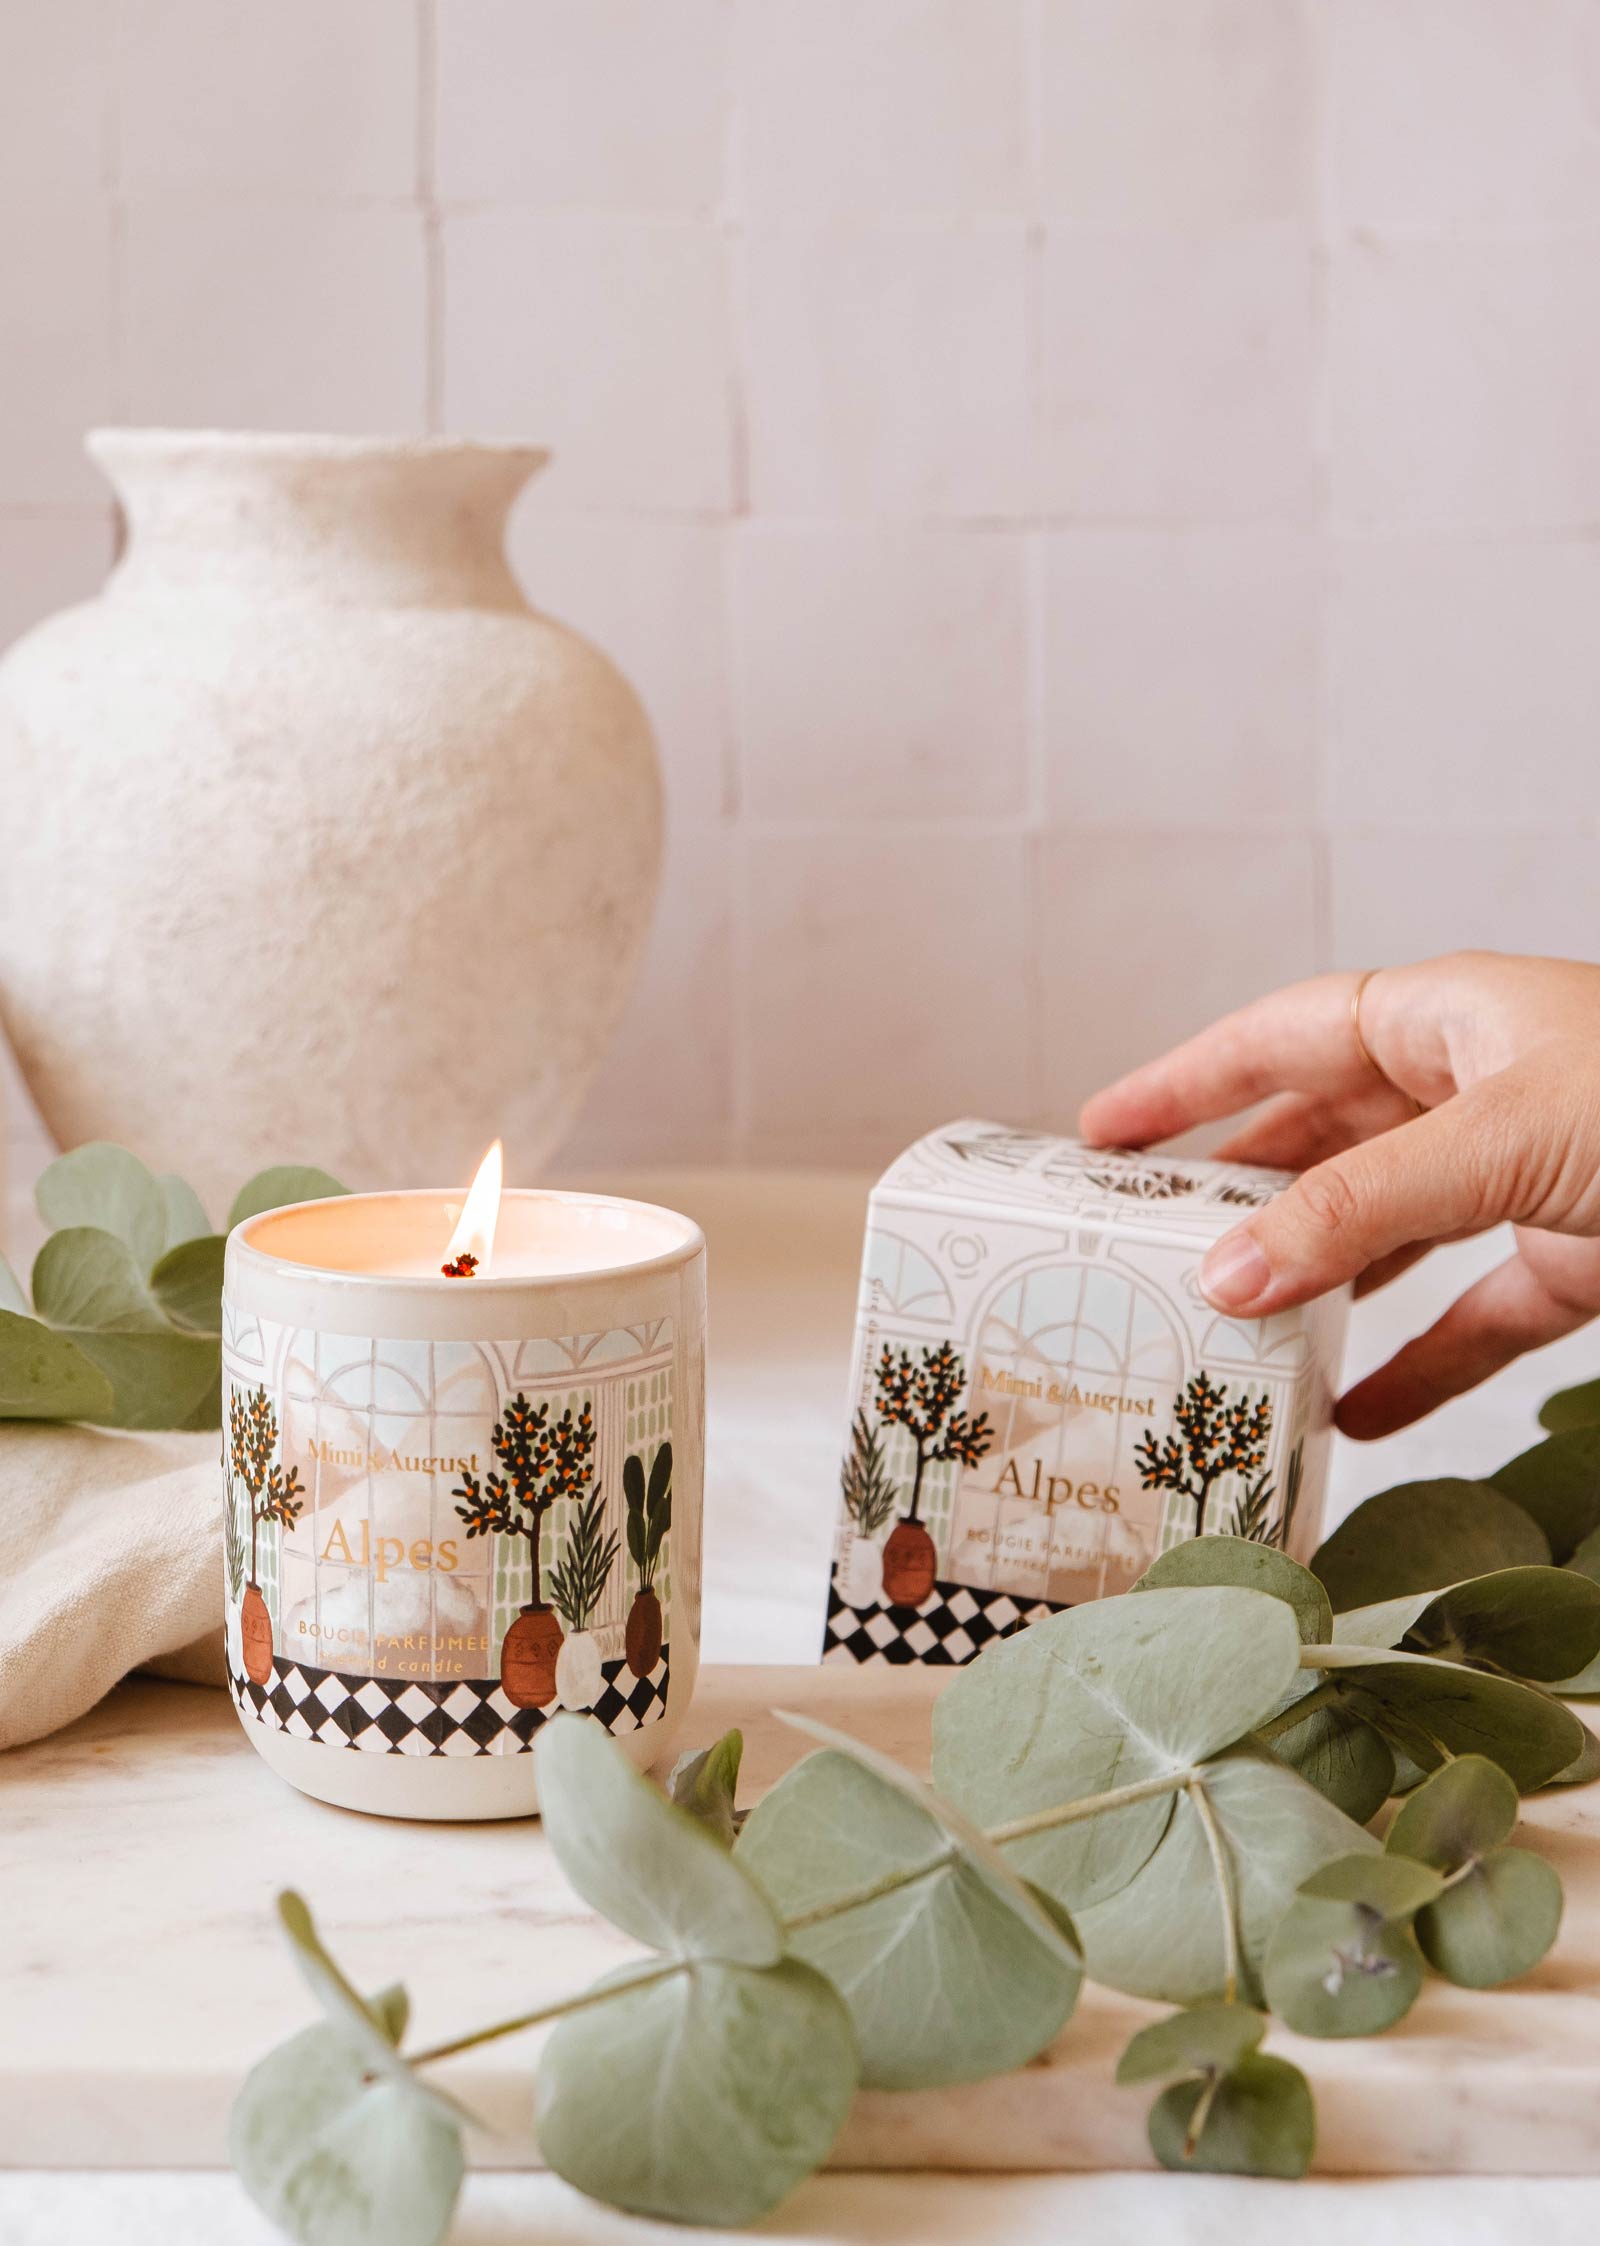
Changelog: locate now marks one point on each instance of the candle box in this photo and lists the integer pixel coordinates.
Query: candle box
(1042, 1400)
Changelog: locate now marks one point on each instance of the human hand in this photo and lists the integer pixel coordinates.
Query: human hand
(1502, 1055)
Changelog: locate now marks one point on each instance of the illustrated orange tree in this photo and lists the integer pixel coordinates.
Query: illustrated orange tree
(921, 1396)
(1215, 1436)
(273, 1496)
(540, 1461)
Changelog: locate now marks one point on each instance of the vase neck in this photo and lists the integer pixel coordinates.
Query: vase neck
(342, 522)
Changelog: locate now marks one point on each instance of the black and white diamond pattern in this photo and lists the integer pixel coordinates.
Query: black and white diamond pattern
(395, 1716)
(953, 1624)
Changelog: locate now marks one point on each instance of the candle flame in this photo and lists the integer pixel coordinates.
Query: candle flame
(472, 1242)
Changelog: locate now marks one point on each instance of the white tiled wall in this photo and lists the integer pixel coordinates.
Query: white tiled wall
(1101, 497)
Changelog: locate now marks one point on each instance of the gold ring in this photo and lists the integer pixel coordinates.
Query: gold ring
(1365, 1050)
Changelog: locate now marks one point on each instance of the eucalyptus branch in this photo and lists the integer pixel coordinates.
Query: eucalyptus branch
(1287, 1719)
(600, 1993)
(1089, 1805)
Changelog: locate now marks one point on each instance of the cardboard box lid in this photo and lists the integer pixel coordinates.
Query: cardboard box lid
(993, 1166)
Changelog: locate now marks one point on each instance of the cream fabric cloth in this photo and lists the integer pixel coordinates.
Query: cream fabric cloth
(110, 1559)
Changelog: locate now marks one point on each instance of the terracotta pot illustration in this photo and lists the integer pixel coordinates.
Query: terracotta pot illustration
(528, 1658)
(909, 1563)
(255, 1636)
(642, 1639)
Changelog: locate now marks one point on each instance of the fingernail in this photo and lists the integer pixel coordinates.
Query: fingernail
(1234, 1273)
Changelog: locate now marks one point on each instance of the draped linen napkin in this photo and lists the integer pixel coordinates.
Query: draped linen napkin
(110, 1560)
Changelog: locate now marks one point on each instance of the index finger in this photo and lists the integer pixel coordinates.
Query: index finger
(1297, 1039)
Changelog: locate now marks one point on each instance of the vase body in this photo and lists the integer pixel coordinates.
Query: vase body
(863, 1572)
(528, 1658)
(910, 1561)
(331, 848)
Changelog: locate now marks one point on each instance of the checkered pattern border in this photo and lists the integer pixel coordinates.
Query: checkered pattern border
(953, 1624)
(411, 1716)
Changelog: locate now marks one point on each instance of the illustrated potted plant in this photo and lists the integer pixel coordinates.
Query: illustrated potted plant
(577, 1582)
(868, 1495)
(1215, 1436)
(649, 1518)
(920, 1398)
(273, 1496)
(540, 1462)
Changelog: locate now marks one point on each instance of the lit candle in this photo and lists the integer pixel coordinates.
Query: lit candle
(463, 1452)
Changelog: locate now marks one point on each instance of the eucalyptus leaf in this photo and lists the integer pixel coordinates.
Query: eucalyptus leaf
(45, 1375)
(109, 1190)
(703, 2096)
(369, 2029)
(186, 1219)
(165, 1379)
(705, 1784)
(1338, 1966)
(1098, 1698)
(1586, 1558)
(1496, 1922)
(650, 1868)
(1439, 1708)
(12, 1296)
(1557, 1483)
(1204, 2037)
(1336, 1750)
(1571, 1407)
(1584, 1768)
(945, 1979)
(278, 1188)
(335, 2157)
(86, 1279)
(1539, 1622)
(187, 1285)
(1459, 1813)
(1249, 1566)
(1422, 1536)
(1163, 1934)
(1260, 2122)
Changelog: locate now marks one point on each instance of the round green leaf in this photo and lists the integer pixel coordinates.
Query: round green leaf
(1571, 1407)
(1261, 2122)
(1435, 1706)
(945, 1979)
(1205, 2036)
(186, 1219)
(1338, 1752)
(281, 1187)
(1539, 1622)
(1340, 1968)
(1393, 1886)
(12, 1297)
(165, 1379)
(336, 2158)
(650, 1868)
(187, 1285)
(371, 2029)
(1584, 1768)
(705, 1783)
(1463, 1810)
(1496, 1923)
(1422, 1536)
(1557, 1483)
(1249, 1566)
(1163, 1934)
(86, 1280)
(1101, 1697)
(701, 2097)
(110, 1190)
(45, 1375)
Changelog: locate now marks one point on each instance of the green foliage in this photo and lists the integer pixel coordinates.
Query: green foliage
(1172, 1789)
(126, 1317)
(1557, 1484)
(581, 1574)
(1571, 1407)
(649, 1510)
(281, 1188)
(1422, 1536)
(864, 1480)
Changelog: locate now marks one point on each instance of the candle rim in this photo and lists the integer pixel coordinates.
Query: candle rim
(491, 1282)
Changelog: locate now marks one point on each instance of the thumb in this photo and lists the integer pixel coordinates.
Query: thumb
(1454, 1171)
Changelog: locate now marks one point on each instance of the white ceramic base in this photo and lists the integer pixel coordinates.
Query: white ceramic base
(432, 1788)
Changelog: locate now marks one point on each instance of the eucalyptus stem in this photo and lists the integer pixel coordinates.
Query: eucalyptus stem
(601, 1993)
(1225, 1896)
(857, 1898)
(1090, 1805)
(1202, 2113)
(1320, 1696)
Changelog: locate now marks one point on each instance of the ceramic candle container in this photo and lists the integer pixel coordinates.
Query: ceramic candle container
(457, 1504)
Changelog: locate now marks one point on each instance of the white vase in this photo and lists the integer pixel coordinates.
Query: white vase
(863, 1572)
(322, 845)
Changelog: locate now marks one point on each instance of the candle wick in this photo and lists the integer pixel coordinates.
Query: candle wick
(460, 1267)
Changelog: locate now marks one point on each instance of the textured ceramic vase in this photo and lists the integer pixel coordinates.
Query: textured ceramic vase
(323, 845)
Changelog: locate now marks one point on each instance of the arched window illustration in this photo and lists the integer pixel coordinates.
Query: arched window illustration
(908, 1283)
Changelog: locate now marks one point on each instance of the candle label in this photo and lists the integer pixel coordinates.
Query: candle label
(433, 1546)
(1041, 1398)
